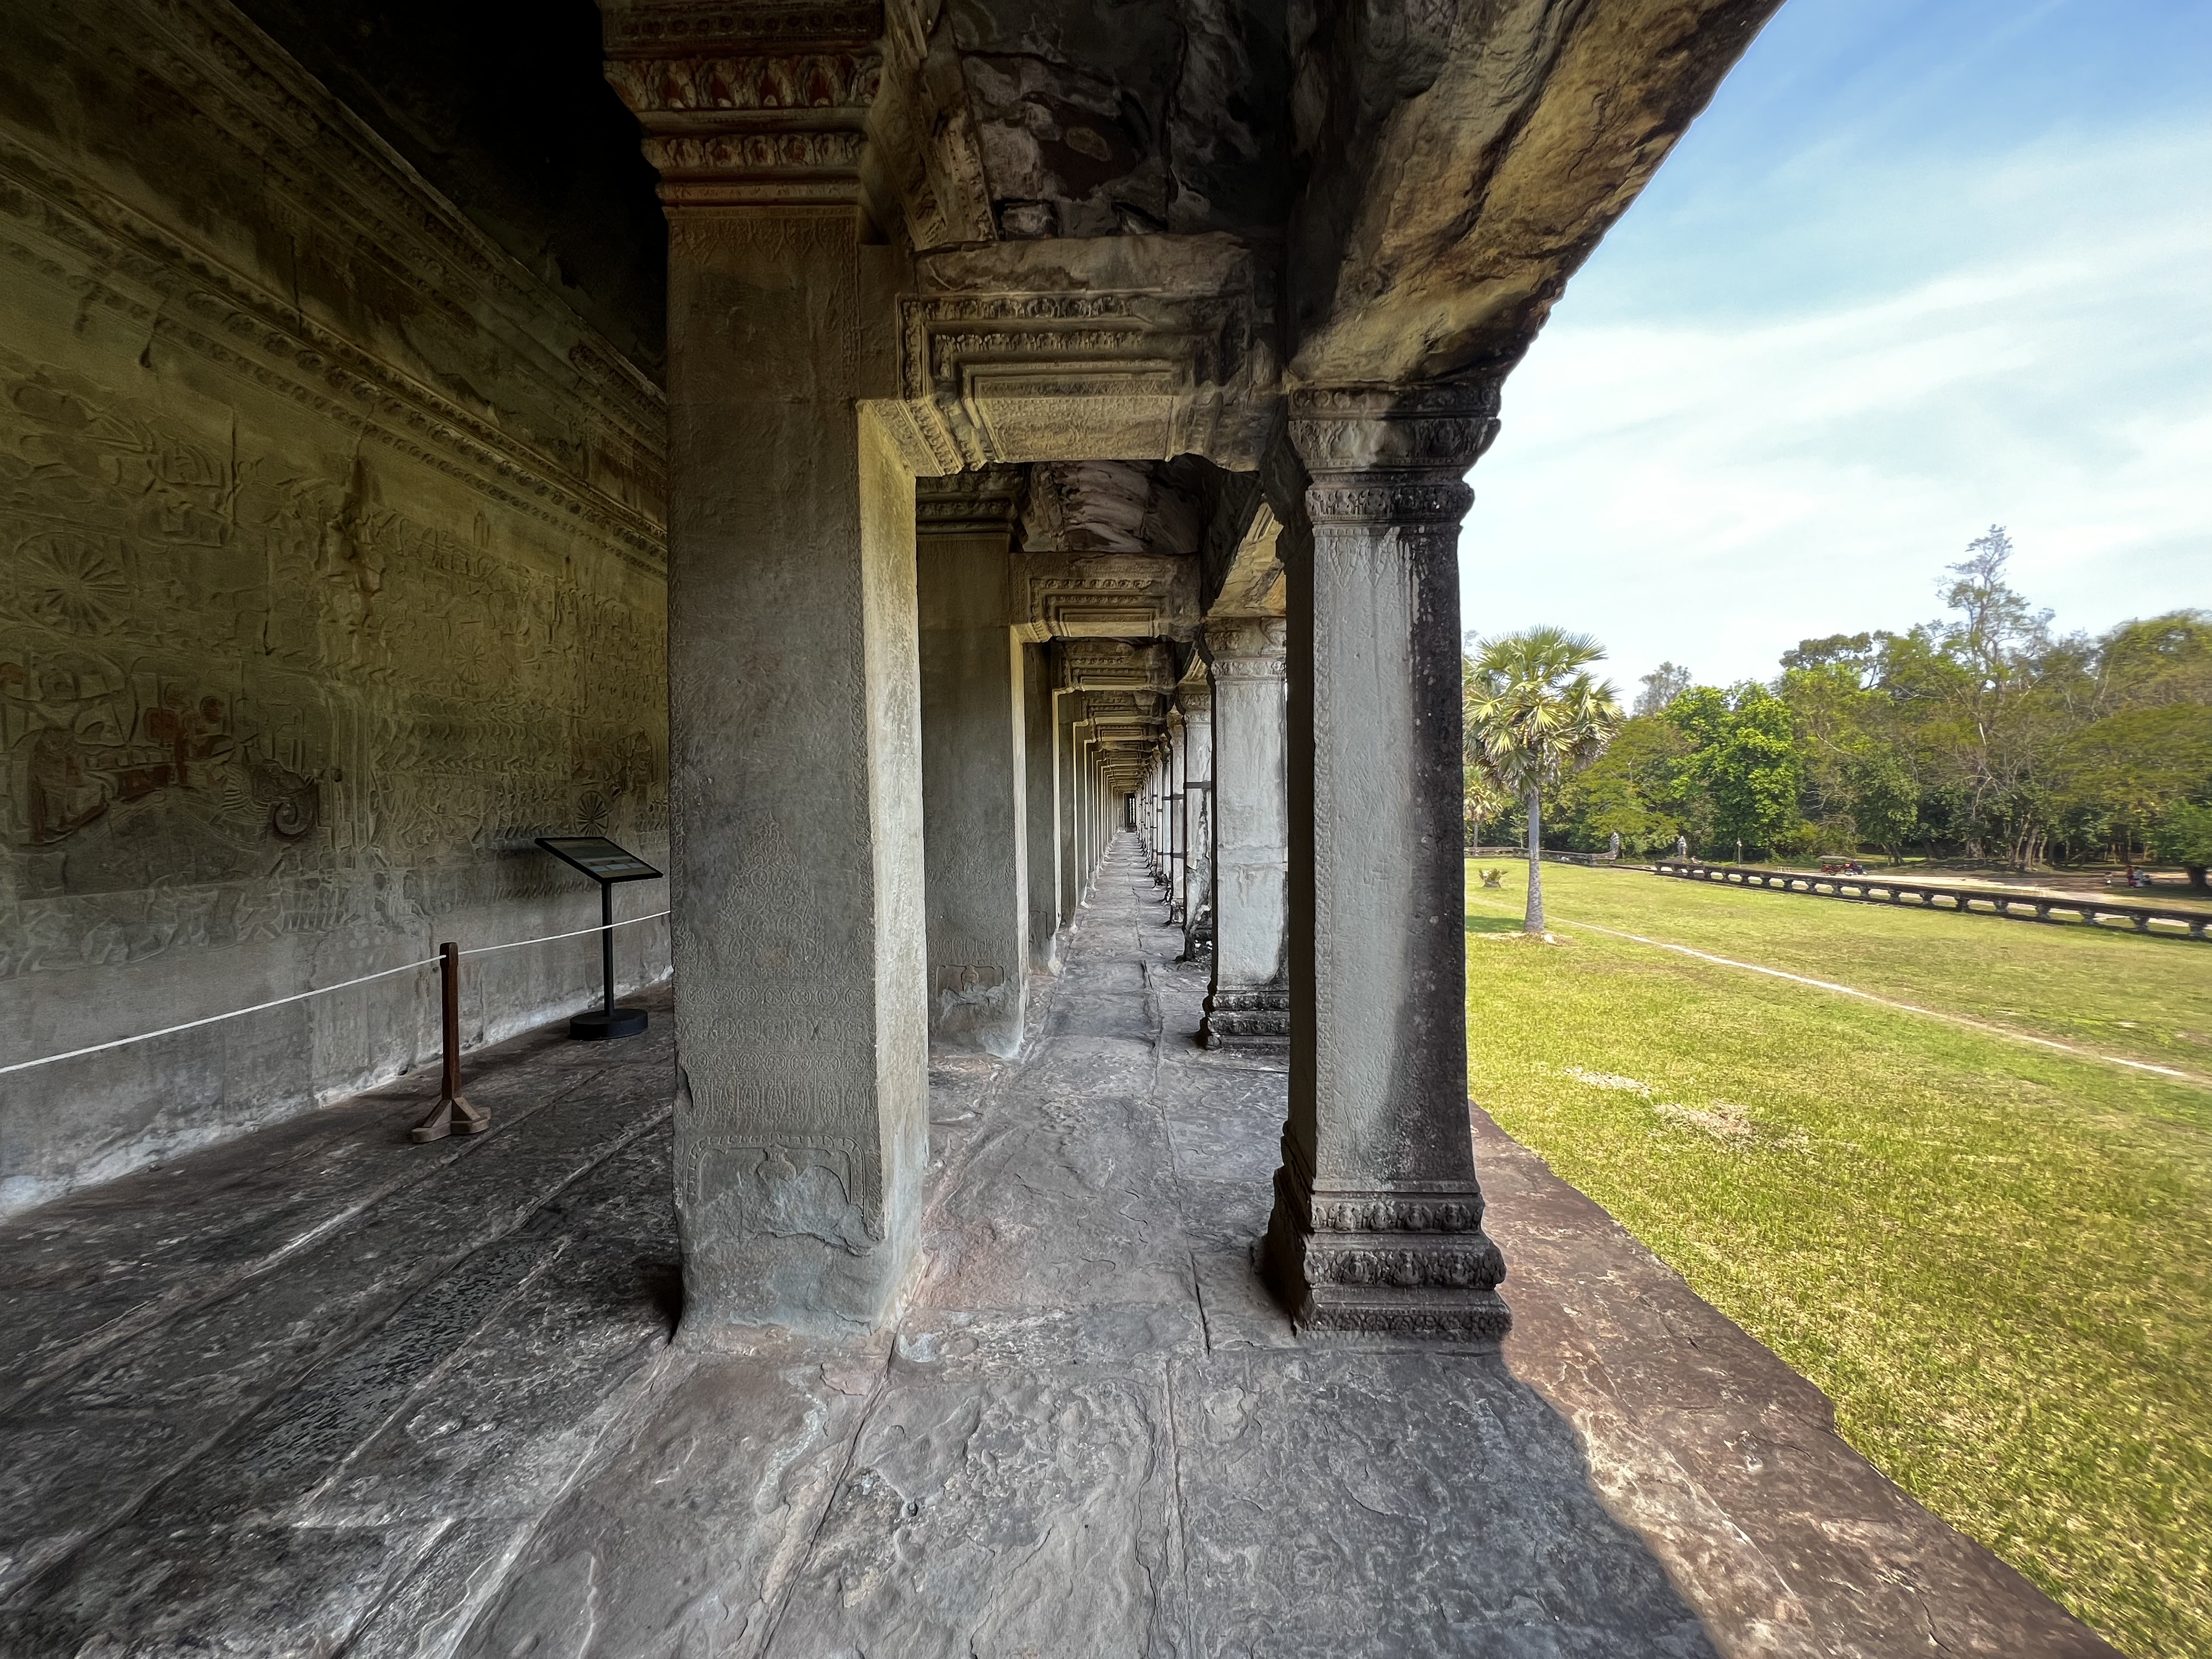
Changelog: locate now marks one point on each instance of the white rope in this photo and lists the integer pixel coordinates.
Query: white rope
(171, 1030)
(604, 927)
(301, 996)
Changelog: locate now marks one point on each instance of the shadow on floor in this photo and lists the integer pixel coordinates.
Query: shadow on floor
(319, 1392)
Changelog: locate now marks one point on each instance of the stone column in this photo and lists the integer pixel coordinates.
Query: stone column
(1171, 833)
(1085, 765)
(975, 785)
(1377, 1224)
(1249, 1004)
(1197, 696)
(1068, 762)
(801, 1117)
(1041, 730)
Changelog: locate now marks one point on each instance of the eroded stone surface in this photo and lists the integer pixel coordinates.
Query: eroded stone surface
(1092, 1431)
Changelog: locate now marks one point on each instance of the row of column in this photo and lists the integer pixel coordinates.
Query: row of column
(1015, 807)
(803, 932)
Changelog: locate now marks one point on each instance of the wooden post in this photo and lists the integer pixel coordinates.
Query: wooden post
(451, 1115)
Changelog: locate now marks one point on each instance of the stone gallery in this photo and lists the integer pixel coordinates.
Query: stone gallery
(972, 488)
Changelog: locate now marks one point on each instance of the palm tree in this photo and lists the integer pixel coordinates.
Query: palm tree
(1537, 715)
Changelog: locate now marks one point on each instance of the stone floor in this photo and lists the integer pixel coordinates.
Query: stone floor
(320, 1392)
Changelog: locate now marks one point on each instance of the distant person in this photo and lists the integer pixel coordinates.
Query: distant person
(1613, 847)
(1681, 847)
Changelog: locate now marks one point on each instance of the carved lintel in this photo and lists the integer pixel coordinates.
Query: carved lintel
(987, 501)
(1109, 596)
(1095, 665)
(1101, 349)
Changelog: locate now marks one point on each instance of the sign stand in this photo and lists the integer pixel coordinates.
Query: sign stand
(606, 864)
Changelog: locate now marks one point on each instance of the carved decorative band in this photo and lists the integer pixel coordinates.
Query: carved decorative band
(788, 89)
(1466, 1261)
(1396, 1212)
(1266, 998)
(1389, 503)
(1440, 1315)
(648, 28)
(1276, 1025)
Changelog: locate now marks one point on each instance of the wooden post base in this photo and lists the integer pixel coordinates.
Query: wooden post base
(451, 1115)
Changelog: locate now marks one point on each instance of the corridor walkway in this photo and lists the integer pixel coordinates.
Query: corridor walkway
(322, 1393)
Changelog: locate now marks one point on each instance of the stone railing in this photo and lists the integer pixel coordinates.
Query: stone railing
(1965, 901)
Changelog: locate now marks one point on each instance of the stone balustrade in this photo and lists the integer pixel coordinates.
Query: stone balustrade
(1962, 900)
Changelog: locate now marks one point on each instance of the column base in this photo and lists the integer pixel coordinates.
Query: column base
(1415, 1265)
(1259, 1017)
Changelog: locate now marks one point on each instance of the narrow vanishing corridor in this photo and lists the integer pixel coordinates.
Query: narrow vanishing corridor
(332, 1394)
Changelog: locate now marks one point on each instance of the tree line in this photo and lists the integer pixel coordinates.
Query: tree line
(1984, 735)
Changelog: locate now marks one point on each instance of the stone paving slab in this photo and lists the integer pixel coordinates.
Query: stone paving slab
(428, 1406)
(317, 1352)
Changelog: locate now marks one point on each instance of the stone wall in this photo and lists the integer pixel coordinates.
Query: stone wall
(331, 575)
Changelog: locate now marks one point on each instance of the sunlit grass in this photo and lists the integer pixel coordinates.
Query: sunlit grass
(1996, 1260)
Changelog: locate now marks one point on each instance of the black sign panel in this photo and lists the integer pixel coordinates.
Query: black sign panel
(598, 858)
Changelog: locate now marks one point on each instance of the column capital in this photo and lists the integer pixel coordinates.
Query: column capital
(1245, 647)
(749, 102)
(1392, 454)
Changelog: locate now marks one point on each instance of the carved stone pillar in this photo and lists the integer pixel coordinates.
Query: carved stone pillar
(1249, 1003)
(1086, 816)
(1068, 707)
(1040, 732)
(1171, 831)
(801, 1117)
(974, 781)
(1196, 694)
(1377, 1224)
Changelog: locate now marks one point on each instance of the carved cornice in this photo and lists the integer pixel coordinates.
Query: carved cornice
(1392, 455)
(110, 256)
(749, 104)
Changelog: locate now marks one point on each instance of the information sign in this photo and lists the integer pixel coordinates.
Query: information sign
(598, 858)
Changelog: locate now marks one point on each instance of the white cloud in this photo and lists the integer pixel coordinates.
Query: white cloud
(1710, 479)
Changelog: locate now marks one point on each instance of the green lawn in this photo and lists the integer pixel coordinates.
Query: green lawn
(1996, 1259)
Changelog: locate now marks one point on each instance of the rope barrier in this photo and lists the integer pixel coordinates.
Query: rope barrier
(301, 996)
(235, 1013)
(486, 950)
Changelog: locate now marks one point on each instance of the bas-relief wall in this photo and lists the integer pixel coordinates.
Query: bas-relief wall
(314, 611)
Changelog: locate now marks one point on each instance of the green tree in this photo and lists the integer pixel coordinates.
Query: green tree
(2183, 836)
(2135, 766)
(1636, 790)
(1744, 758)
(1539, 715)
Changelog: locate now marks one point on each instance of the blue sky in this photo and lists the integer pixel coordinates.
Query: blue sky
(1923, 266)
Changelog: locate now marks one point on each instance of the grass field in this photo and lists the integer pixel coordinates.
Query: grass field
(1996, 1259)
